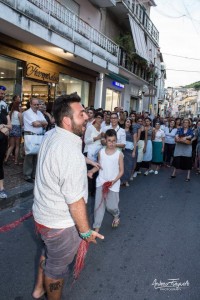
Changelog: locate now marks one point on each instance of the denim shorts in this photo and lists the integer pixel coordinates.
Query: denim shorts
(61, 246)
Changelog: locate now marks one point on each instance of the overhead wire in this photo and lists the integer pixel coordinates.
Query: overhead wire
(188, 71)
(190, 17)
(181, 56)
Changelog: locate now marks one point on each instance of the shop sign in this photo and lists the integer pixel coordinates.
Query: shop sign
(118, 84)
(35, 71)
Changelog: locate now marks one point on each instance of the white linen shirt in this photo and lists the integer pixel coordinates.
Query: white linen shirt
(159, 135)
(29, 116)
(90, 134)
(121, 134)
(61, 178)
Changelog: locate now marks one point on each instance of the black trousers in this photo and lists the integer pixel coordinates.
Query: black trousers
(3, 149)
(168, 152)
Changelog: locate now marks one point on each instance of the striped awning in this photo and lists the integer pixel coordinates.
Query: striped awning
(139, 39)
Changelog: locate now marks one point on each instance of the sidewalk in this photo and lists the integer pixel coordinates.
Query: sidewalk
(16, 187)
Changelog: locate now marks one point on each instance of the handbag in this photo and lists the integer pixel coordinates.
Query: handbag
(129, 145)
(32, 143)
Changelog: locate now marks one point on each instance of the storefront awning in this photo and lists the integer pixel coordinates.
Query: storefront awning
(139, 39)
(119, 78)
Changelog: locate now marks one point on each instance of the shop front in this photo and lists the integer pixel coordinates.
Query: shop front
(30, 75)
(113, 92)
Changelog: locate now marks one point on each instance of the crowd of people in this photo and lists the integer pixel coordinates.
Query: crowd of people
(147, 143)
(106, 149)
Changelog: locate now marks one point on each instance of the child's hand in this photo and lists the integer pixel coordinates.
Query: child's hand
(112, 182)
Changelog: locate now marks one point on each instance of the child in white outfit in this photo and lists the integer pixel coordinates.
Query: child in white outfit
(112, 168)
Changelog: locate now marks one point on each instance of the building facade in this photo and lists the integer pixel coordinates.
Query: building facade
(91, 47)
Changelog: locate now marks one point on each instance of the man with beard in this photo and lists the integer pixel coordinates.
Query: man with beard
(60, 196)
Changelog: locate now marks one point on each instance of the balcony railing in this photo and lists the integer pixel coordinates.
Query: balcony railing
(75, 24)
(133, 66)
(68, 18)
(140, 14)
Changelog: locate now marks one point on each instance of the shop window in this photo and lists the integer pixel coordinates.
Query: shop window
(112, 99)
(10, 77)
(68, 85)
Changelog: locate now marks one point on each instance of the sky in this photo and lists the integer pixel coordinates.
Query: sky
(178, 23)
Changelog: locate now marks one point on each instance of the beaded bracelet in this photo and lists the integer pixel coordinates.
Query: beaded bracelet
(85, 235)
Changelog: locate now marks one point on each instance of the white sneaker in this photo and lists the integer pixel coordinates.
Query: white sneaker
(134, 174)
(131, 178)
(156, 172)
(151, 171)
(126, 184)
(139, 172)
(146, 173)
(3, 194)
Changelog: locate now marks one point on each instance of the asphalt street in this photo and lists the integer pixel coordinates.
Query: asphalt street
(153, 255)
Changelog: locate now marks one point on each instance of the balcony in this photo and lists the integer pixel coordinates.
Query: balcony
(103, 3)
(61, 22)
(141, 16)
(135, 65)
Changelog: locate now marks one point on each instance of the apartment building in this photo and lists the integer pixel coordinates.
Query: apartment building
(52, 47)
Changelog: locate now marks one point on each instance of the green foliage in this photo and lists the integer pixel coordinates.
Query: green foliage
(195, 85)
(126, 42)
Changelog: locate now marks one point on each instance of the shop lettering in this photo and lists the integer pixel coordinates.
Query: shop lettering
(34, 70)
(118, 84)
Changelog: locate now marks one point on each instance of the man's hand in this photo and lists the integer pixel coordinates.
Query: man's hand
(92, 238)
(96, 165)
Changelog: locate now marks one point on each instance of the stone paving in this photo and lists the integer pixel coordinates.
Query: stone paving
(16, 187)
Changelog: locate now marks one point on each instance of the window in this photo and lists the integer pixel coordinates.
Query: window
(112, 99)
(68, 85)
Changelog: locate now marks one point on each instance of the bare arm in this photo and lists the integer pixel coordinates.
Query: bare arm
(95, 169)
(92, 163)
(121, 168)
(39, 124)
(135, 140)
(145, 140)
(139, 133)
(163, 144)
(20, 118)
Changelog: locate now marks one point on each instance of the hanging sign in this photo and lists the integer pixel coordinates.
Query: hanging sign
(36, 71)
(118, 84)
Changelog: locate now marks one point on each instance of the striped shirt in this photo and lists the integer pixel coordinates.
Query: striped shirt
(61, 178)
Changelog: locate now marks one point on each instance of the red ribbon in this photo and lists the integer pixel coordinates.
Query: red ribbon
(14, 224)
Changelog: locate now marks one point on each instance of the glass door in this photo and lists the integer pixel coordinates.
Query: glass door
(112, 99)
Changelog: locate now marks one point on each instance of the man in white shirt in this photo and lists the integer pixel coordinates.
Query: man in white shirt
(34, 123)
(121, 134)
(60, 196)
(3, 104)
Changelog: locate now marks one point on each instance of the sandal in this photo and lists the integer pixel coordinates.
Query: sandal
(115, 222)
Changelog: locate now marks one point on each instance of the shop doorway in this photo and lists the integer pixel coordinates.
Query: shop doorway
(112, 99)
(134, 104)
(31, 88)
